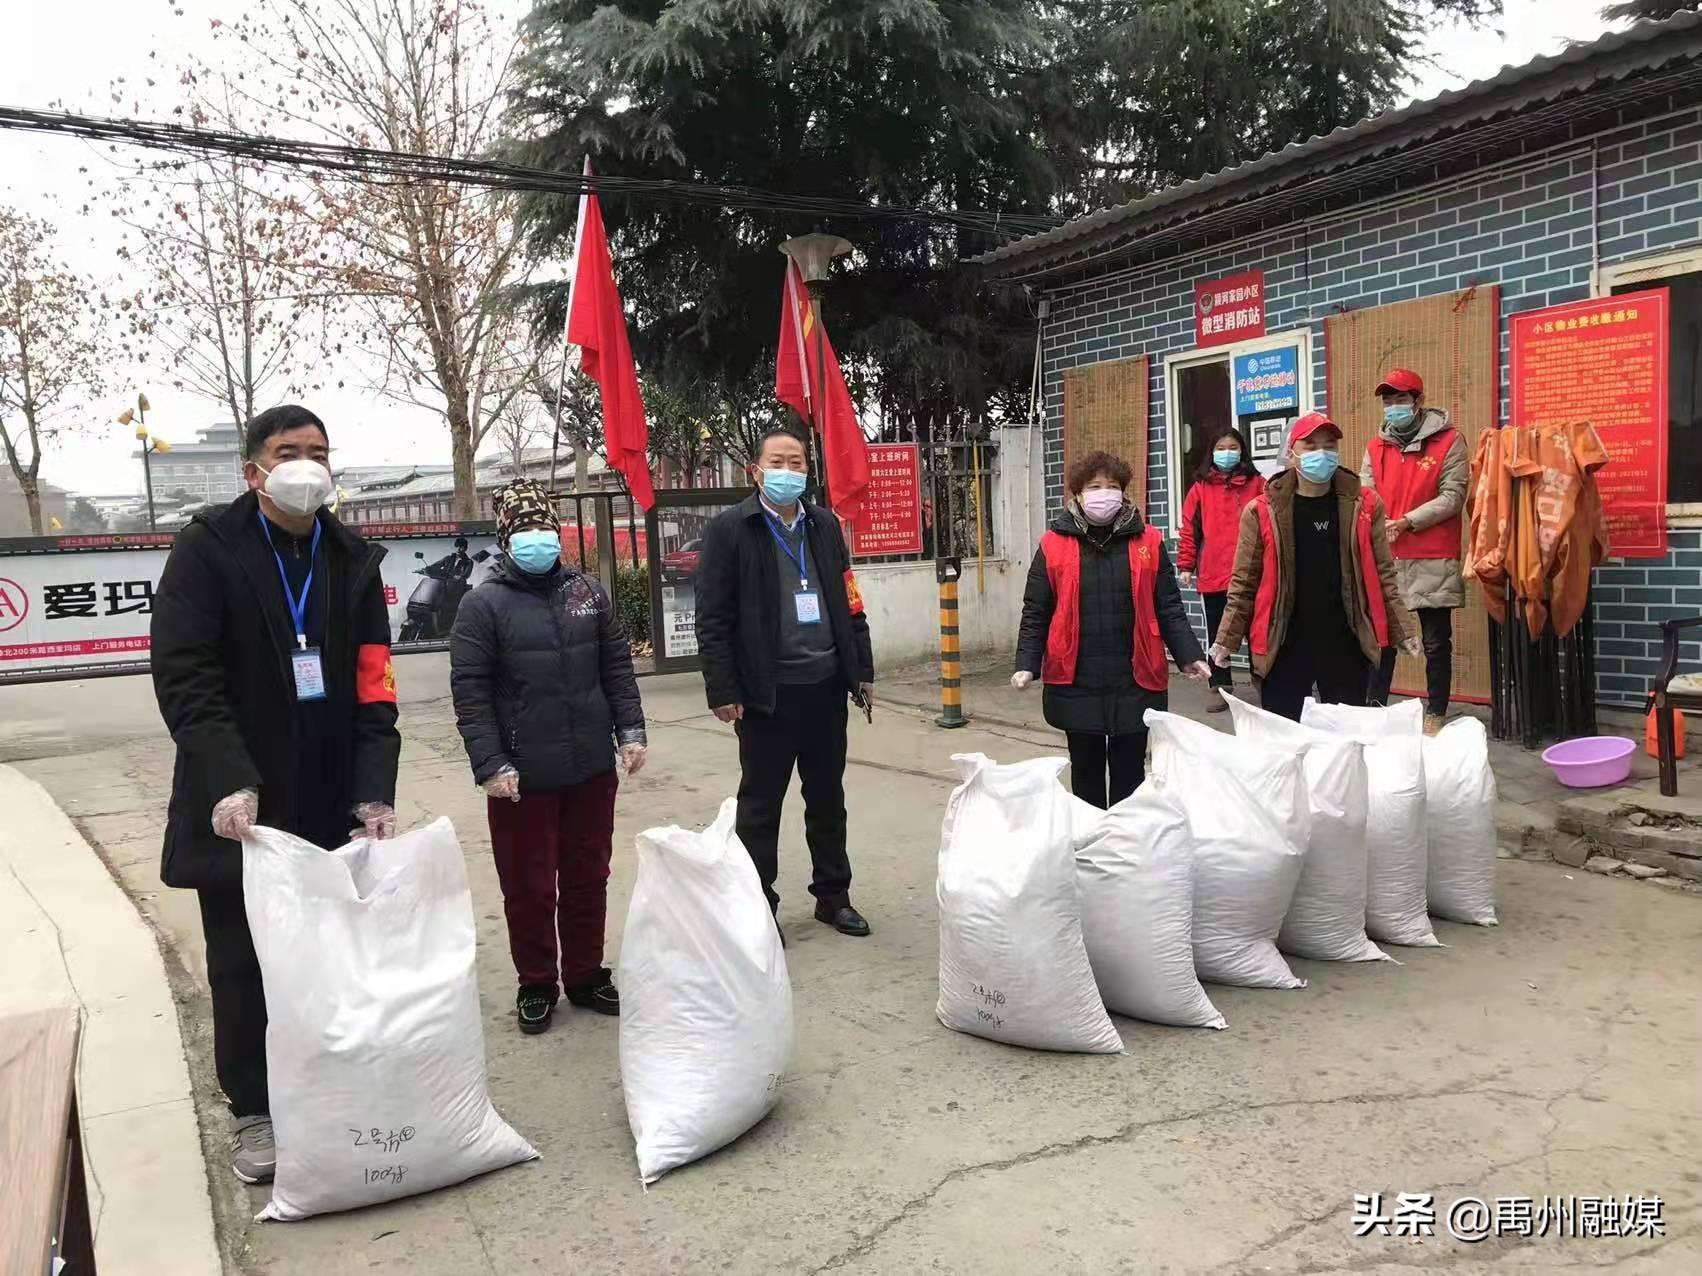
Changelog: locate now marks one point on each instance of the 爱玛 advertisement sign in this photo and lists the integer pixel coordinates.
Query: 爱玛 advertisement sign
(890, 518)
(93, 606)
(1229, 309)
(1605, 361)
(1268, 381)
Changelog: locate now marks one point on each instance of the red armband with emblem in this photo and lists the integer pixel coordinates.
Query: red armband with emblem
(375, 678)
(853, 595)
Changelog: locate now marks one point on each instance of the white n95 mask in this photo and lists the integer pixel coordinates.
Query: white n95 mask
(298, 487)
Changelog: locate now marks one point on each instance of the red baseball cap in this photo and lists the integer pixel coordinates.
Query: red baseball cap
(1400, 381)
(1309, 425)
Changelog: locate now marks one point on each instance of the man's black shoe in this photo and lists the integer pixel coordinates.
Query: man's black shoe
(843, 918)
(597, 993)
(534, 1006)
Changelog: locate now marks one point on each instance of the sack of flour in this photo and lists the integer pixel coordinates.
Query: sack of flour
(1013, 967)
(1246, 809)
(1460, 811)
(1326, 921)
(1395, 910)
(1135, 864)
(706, 1005)
(375, 1050)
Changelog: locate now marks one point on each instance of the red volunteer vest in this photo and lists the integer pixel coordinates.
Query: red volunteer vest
(1264, 602)
(1407, 480)
(1063, 639)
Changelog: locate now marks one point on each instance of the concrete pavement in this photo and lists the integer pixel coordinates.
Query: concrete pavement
(1554, 1055)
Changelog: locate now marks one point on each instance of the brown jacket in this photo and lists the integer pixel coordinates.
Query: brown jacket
(1250, 565)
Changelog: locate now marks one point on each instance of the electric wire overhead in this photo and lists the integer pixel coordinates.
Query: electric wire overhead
(374, 164)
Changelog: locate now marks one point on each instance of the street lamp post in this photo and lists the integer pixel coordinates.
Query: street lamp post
(149, 445)
(813, 255)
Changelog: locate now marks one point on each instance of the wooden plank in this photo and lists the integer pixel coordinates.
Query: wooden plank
(1105, 410)
(1453, 342)
(38, 1069)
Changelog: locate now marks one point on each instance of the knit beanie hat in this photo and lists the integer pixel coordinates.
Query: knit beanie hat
(522, 506)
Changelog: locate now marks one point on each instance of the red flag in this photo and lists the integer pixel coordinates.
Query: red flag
(596, 323)
(844, 448)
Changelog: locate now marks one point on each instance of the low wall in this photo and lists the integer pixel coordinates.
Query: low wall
(902, 603)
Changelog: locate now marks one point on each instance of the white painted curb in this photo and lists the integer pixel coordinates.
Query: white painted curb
(70, 936)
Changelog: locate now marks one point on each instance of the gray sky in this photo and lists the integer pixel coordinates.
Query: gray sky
(69, 50)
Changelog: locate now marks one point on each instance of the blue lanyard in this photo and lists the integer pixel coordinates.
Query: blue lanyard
(298, 606)
(802, 555)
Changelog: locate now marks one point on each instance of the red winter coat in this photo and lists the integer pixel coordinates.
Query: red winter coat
(1211, 525)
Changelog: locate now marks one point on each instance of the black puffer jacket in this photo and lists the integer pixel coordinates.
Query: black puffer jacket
(1104, 697)
(541, 673)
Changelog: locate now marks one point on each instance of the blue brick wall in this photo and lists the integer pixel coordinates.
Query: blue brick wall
(1524, 224)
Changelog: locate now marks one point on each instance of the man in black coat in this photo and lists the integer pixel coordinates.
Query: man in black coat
(783, 641)
(271, 664)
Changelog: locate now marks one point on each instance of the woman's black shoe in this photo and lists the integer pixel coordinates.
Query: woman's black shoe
(597, 993)
(534, 1007)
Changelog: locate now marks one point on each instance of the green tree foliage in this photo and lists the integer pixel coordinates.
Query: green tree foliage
(1032, 112)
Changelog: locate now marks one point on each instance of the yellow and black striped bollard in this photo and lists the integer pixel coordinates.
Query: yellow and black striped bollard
(947, 571)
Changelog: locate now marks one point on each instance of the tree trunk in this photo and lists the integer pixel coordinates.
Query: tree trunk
(461, 453)
(581, 468)
(32, 499)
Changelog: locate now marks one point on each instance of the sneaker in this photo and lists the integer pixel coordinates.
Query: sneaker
(597, 993)
(253, 1152)
(1433, 723)
(534, 1007)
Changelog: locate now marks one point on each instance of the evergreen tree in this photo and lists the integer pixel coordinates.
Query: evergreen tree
(1646, 10)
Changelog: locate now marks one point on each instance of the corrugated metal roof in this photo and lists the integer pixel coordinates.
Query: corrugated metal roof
(1641, 47)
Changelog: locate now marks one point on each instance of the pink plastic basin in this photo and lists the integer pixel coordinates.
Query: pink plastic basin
(1591, 762)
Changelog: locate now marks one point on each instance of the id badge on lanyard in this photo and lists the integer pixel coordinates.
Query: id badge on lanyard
(305, 664)
(806, 602)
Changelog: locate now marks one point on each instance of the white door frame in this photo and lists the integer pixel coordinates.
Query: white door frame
(1175, 363)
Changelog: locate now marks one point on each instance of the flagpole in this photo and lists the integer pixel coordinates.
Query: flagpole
(566, 327)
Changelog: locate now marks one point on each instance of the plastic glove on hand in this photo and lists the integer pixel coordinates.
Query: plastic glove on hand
(1413, 647)
(632, 757)
(378, 820)
(1185, 579)
(1220, 656)
(504, 784)
(236, 814)
(1199, 671)
(1021, 679)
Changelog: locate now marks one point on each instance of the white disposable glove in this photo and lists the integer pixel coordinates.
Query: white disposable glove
(236, 814)
(1220, 656)
(378, 820)
(1199, 671)
(1020, 679)
(1413, 647)
(632, 757)
(504, 784)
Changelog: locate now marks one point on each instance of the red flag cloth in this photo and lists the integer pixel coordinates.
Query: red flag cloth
(844, 449)
(596, 323)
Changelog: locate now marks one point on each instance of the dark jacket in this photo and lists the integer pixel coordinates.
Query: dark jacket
(1104, 698)
(738, 606)
(220, 636)
(541, 673)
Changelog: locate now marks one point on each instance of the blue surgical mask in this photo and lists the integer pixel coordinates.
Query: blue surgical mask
(535, 551)
(1225, 461)
(1318, 467)
(782, 487)
(1397, 414)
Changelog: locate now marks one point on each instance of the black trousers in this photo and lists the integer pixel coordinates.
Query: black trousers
(1337, 670)
(1437, 626)
(1091, 754)
(806, 730)
(1215, 603)
(239, 1002)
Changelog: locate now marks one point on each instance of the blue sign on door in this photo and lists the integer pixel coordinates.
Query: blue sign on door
(1267, 382)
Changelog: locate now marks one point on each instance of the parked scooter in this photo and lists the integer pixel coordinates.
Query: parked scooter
(436, 599)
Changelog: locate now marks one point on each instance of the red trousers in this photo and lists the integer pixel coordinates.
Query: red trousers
(552, 858)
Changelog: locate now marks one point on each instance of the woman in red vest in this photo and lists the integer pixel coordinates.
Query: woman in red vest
(1418, 465)
(1101, 607)
(1211, 525)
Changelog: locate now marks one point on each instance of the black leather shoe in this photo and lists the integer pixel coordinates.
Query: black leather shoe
(843, 918)
(597, 993)
(535, 1006)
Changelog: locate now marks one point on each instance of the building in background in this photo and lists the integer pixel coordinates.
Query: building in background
(1416, 239)
(426, 494)
(207, 469)
(15, 510)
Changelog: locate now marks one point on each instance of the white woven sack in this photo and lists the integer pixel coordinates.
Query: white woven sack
(1395, 900)
(1246, 809)
(1460, 810)
(375, 1050)
(1135, 864)
(1326, 921)
(1012, 964)
(706, 1004)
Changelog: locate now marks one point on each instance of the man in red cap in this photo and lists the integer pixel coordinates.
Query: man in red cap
(1418, 465)
(1313, 588)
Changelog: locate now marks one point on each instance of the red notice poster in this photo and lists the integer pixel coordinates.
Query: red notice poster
(890, 521)
(1605, 361)
(1229, 309)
